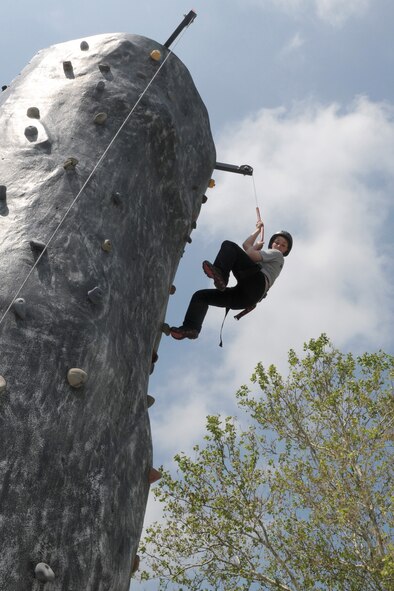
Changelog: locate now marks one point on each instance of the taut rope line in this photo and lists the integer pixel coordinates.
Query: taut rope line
(102, 157)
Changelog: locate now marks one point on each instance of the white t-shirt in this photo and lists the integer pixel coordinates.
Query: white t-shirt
(271, 265)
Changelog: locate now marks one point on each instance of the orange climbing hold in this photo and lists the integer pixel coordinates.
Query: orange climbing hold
(154, 475)
(211, 183)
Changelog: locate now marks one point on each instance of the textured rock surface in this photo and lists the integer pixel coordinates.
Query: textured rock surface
(75, 462)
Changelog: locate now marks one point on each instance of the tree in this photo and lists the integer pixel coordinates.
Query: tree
(301, 498)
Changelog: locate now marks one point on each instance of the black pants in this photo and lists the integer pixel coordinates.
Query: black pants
(248, 291)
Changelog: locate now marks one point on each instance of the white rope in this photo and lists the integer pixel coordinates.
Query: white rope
(90, 176)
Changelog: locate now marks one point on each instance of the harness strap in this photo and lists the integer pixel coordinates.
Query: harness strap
(244, 312)
(221, 328)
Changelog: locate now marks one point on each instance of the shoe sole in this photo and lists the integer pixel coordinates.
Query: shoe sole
(210, 272)
(179, 336)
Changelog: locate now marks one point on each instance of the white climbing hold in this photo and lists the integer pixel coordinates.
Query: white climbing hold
(76, 377)
(107, 245)
(84, 45)
(155, 55)
(44, 573)
(20, 308)
(100, 118)
(33, 113)
(70, 164)
(3, 384)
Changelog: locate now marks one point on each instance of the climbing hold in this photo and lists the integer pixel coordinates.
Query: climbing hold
(165, 328)
(31, 132)
(3, 192)
(20, 308)
(76, 377)
(150, 400)
(211, 183)
(37, 245)
(155, 357)
(107, 245)
(136, 564)
(84, 45)
(188, 239)
(70, 164)
(100, 85)
(204, 199)
(155, 55)
(33, 112)
(3, 385)
(172, 289)
(4, 87)
(95, 295)
(100, 118)
(44, 573)
(154, 475)
(67, 67)
(104, 68)
(194, 225)
(116, 198)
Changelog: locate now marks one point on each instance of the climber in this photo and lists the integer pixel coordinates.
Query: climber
(254, 269)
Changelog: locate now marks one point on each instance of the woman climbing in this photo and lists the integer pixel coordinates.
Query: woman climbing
(254, 269)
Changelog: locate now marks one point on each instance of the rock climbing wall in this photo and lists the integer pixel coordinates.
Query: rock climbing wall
(91, 251)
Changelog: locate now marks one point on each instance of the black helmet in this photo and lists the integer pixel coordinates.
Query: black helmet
(286, 236)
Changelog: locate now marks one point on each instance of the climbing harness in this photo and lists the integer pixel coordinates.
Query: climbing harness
(188, 20)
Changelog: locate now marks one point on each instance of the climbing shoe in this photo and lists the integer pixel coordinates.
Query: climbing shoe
(214, 273)
(182, 332)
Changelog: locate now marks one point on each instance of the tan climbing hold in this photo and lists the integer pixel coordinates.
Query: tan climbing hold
(155, 55)
(150, 400)
(3, 385)
(100, 118)
(154, 475)
(107, 245)
(211, 183)
(136, 564)
(165, 328)
(70, 164)
(33, 113)
(76, 377)
(44, 573)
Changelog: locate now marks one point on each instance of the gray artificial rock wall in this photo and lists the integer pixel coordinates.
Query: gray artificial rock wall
(75, 461)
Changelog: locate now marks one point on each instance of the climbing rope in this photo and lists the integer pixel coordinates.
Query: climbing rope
(258, 210)
(100, 160)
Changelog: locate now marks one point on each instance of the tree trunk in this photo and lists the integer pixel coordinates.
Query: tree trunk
(75, 461)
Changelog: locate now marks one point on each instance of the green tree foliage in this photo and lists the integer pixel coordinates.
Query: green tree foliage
(301, 498)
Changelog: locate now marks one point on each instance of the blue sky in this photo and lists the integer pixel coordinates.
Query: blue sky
(302, 90)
